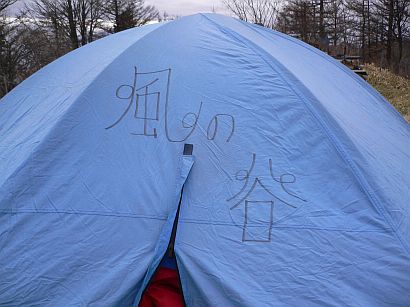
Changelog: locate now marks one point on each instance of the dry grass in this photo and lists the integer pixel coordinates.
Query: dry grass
(394, 88)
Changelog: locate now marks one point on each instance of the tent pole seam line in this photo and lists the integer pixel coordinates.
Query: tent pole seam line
(83, 213)
(197, 222)
(333, 140)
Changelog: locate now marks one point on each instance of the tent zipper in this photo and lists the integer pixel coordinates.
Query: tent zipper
(188, 149)
(170, 251)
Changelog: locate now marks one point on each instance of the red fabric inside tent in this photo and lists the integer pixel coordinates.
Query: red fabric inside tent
(164, 290)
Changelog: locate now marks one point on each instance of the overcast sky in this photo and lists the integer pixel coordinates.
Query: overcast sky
(187, 7)
(178, 7)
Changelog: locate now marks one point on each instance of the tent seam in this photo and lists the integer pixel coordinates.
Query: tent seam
(333, 140)
(92, 213)
(187, 221)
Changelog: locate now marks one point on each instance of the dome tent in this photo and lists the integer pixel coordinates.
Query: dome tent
(296, 192)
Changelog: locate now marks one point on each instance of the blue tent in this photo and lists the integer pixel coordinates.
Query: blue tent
(295, 174)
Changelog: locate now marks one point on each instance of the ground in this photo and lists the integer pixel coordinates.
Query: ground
(394, 88)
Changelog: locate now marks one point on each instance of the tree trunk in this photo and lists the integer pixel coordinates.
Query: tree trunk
(390, 32)
(72, 25)
(363, 31)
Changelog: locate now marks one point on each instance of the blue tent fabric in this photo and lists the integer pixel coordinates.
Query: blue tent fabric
(298, 190)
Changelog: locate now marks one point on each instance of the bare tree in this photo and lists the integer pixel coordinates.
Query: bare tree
(125, 14)
(78, 19)
(401, 18)
(394, 16)
(262, 12)
(90, 14)
(8, 51)
(390, 19)
(298, 18)
(5, 4)
(58, 14)
(336, 21)
(96, 15)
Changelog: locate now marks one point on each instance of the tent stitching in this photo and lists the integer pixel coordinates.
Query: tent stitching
(187, 221)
